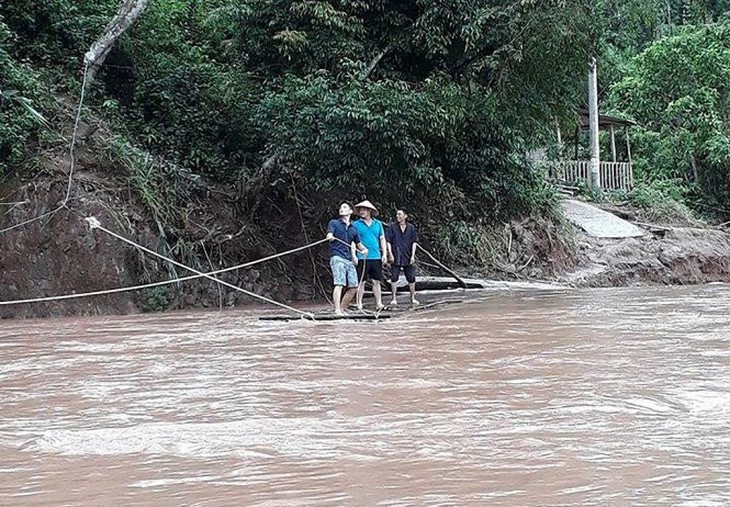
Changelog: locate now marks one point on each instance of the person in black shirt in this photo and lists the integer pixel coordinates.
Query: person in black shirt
(402, 239)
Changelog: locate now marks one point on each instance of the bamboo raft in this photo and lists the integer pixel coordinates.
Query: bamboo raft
(322, 316)
(387, 313)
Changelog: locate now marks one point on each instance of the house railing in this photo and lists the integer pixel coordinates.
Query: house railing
(614, 175)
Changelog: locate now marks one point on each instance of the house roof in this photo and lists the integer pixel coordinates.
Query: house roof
(604, 120)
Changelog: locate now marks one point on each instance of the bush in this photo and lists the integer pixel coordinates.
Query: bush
(677, 90)
(156, 300)
(662, 200)
(20, 118)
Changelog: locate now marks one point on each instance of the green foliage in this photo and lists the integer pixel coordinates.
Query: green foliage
(409, 144)
(677, 90)
(656, 193)
(427, 104)
(20, 118)
(181, 102)
(589, 193)
(463, 242)
(662, 200)
(56, 32)
(156, 299)
(162, 187)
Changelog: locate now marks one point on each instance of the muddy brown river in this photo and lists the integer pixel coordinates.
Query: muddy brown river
(606, 397)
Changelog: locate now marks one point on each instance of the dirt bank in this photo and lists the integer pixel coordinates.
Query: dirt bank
(61, 255)
(666, 255)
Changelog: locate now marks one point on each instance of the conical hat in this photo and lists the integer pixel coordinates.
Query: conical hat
(367, 204)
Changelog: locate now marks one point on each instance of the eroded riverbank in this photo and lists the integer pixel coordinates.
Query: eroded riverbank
(61, 255)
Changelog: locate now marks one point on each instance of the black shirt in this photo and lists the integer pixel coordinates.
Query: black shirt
(401, 242)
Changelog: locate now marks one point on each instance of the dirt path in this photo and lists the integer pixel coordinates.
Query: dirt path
(598, 223)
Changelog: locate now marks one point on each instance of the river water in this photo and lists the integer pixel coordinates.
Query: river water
(605, 397)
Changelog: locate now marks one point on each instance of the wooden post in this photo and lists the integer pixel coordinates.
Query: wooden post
(630, 183)
(577, 133)
(593, 122)
(554, 171)
(613, 144)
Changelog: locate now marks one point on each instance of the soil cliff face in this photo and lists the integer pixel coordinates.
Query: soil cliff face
(60, 254)
(666, 255)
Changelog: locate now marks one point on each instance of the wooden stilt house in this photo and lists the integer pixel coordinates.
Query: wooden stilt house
(615, 175)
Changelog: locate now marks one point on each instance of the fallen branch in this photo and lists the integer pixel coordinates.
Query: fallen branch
(462, 283)
(526, 263)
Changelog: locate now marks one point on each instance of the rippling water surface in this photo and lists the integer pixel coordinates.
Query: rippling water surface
(603, 397)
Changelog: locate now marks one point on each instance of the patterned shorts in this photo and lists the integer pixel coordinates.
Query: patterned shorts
(343, 272)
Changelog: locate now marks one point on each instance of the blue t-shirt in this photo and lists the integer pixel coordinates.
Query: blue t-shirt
(370, 237)
(346, 233)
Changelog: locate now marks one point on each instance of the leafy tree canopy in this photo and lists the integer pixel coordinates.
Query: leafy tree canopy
(678, 91)
(431, 104)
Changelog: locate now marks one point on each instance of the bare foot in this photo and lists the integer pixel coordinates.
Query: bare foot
(393, 302)
(414, 302)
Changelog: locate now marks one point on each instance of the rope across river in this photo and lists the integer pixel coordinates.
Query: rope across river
(94, 224)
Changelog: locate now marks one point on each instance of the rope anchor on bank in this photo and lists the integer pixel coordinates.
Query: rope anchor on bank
(93, 223)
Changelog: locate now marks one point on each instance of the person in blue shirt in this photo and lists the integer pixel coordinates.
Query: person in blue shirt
(344, 239)
(370, 267)
(402, 238)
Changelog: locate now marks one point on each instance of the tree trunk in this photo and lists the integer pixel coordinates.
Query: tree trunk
(128, 13)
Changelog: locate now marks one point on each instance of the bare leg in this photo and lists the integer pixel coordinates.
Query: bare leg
(412, 287)
(394, 291)
(336, 296)
(378, 294)
(349, 296)
(360, 293)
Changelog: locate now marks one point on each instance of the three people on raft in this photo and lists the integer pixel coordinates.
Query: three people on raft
(360, 250)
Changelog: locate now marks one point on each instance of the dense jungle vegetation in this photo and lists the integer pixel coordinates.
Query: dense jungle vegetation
(429, 104)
